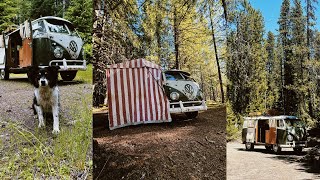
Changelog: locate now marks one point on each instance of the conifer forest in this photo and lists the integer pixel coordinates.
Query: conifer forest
(272, 71)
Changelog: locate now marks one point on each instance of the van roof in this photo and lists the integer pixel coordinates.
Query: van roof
(46, 17)
(177, 71)
(54, 18)
(270, 117)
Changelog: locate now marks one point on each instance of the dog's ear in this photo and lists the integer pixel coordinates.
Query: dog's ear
(53, 71)
(32, 75)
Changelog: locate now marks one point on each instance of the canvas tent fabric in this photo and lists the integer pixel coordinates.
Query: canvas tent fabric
(135, 94)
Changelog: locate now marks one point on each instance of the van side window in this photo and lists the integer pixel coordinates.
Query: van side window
(280, 123)
(245, 124)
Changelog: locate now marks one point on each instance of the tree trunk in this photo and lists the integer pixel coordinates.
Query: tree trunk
(176, 38)
(217, 57)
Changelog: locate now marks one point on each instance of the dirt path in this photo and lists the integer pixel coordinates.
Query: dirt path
(193, 149)
(260, 164)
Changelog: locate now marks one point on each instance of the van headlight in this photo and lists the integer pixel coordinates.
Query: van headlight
(174, 96)
(290, 137)
(58, 52)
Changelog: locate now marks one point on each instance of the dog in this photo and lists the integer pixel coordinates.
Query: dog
(46, 94)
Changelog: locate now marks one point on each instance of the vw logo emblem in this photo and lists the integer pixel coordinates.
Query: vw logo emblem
(73, 46)
(188, 88)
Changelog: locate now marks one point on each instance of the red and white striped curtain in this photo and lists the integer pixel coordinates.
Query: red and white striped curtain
(136, 94)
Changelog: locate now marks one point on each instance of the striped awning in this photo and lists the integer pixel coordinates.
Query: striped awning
(135, 94)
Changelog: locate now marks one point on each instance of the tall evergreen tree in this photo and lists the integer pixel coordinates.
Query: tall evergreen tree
(299, 53)
(311, 18)
(246, 61)
(289, 96)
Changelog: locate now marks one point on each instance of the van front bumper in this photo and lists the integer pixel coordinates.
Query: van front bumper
(69, 65)
(294, 144)
(179, 107)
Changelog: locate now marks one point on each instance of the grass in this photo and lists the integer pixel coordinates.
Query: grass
(85, 76)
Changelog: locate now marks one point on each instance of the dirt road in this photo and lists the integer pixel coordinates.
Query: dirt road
(260, 164)
(193, 149)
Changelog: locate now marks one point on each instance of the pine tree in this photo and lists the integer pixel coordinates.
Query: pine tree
(299, 52)
(289, 96)
(246, 61)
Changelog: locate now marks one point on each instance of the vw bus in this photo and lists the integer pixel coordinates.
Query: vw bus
(274, 132)
(184, 93)
(43, 42)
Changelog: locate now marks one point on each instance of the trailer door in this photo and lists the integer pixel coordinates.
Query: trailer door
(25, 51)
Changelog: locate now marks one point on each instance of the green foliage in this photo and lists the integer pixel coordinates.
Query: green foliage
(246, 61)
(8, 9)
(80, 14)
(234, 123)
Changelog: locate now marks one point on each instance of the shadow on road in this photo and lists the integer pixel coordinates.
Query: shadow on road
(290, 157)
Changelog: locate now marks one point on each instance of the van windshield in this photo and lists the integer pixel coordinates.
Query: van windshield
(172, 76)
(294, 123)
(57, 26)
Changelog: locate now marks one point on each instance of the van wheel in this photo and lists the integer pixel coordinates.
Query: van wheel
(276, 148)
(4, 74)
(268, 147)
(249, 146)
(297, 150)
(68, 75)
(191, 115)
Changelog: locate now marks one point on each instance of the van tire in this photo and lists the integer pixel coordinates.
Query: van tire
(276, 149)
(68, 75)
(191, 115)
(297, 150)
(268, 147)
(249, 146)
(4, 74)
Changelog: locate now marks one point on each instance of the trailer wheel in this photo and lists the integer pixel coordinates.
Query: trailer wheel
(68, 75)
(191, 115)
(276, 148)
(4, 74)
(297, 150)
(249, 146)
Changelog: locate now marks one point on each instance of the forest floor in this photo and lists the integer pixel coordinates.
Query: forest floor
(262, 164)
(27, 152)
(182, 149)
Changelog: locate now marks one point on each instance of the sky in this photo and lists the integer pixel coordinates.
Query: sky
(270, 10)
